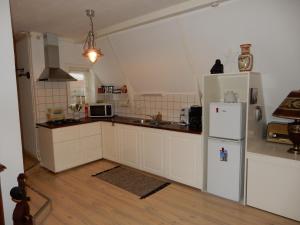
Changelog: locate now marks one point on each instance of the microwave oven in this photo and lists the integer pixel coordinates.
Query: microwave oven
(101, 110)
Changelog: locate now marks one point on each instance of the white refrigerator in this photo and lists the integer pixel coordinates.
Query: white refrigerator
(225, 165)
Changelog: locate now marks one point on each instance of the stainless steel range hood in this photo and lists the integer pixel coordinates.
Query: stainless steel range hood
(52, 71)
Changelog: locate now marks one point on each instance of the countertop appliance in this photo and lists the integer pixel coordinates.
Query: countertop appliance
(225, 166)
(184, 115)
(195, 117)
(278, 132)
(55, 114)
(101, 110)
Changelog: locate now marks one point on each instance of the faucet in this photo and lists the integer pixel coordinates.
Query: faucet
(156, 118)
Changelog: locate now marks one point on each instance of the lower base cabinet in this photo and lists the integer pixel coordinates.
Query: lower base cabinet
(174, 155)
(129, 145)
(110, 142)
(66, 155)
(184, 159)
(67, 147)
(92, 148)
(273, 185)
(153, 151)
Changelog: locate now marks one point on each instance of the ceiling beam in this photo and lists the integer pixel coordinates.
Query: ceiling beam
(159, 14)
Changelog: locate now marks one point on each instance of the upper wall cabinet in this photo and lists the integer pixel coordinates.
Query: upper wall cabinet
(153, 58)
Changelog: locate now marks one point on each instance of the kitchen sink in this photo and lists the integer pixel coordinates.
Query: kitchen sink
(152, 122)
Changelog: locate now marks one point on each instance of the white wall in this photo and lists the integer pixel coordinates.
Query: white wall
(168, 55)
(10, 144)
(107, 68)
(272, 28)
(70, 55)
(26, 105)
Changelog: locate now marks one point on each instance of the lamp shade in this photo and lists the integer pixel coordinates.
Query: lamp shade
(89, 48)
(290, 107)
(92, 54)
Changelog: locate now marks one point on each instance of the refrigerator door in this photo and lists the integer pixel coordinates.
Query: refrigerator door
(224, 172)
(227, 120)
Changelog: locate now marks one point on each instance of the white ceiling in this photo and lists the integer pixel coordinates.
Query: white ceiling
(67, 18)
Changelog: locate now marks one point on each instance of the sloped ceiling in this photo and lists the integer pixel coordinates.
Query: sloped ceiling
(68, 19)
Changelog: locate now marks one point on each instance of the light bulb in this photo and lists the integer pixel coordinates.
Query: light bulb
(92, 55)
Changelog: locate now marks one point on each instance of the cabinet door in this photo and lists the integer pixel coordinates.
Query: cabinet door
(67, 155)
(90, 129)
(153, 151)
(184, 159)
(46, 148)
(65, 133)
(129, 145)
(273, 185)
(91, 148)
(109, 142)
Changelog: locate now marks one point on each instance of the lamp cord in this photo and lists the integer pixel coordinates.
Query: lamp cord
(90, 34)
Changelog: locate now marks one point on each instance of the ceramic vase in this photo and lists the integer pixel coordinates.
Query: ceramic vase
(245, 58)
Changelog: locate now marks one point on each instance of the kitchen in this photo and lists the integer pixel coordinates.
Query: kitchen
(160, 68)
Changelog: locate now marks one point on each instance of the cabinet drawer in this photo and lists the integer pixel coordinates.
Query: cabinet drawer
(90, 129)
(65, 134)
(67, 155)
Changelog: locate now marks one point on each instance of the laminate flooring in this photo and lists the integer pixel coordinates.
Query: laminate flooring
(80, 199)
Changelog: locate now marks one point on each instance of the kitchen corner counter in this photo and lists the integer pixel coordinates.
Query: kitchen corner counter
(172, 126)
(262, 147)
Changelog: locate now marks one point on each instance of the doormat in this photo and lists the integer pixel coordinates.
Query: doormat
(132, 181)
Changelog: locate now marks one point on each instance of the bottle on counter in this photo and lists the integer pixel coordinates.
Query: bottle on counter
(86, 111)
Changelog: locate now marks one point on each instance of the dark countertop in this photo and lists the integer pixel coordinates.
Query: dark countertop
(172, 126)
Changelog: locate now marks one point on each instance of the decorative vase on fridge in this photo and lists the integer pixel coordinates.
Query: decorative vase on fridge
(245, 58)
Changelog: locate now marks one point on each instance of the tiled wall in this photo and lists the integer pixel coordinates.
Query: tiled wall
(55, 95)
(169, 105)
(50, 95)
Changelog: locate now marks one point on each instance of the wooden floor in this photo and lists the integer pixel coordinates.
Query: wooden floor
(28, 161)
(79, 199)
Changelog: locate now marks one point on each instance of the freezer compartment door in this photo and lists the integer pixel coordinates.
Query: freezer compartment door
(224, 172)
(227, 120)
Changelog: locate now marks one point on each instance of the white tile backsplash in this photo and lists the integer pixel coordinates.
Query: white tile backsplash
(50, 95)
(168, 105)
(54, 94)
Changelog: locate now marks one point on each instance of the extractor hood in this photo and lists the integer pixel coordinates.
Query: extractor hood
(52, 71)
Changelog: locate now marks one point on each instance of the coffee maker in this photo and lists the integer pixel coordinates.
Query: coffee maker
(195, 118)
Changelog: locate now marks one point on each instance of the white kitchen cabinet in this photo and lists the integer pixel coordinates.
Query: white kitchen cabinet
(184, 158)
(174, 155)
(153, 147)
(67, 147)
(110, 141)
(90, 129)
(273, 185)
(65, 134)
(66, 155)
(129, 144)
(92, 148)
